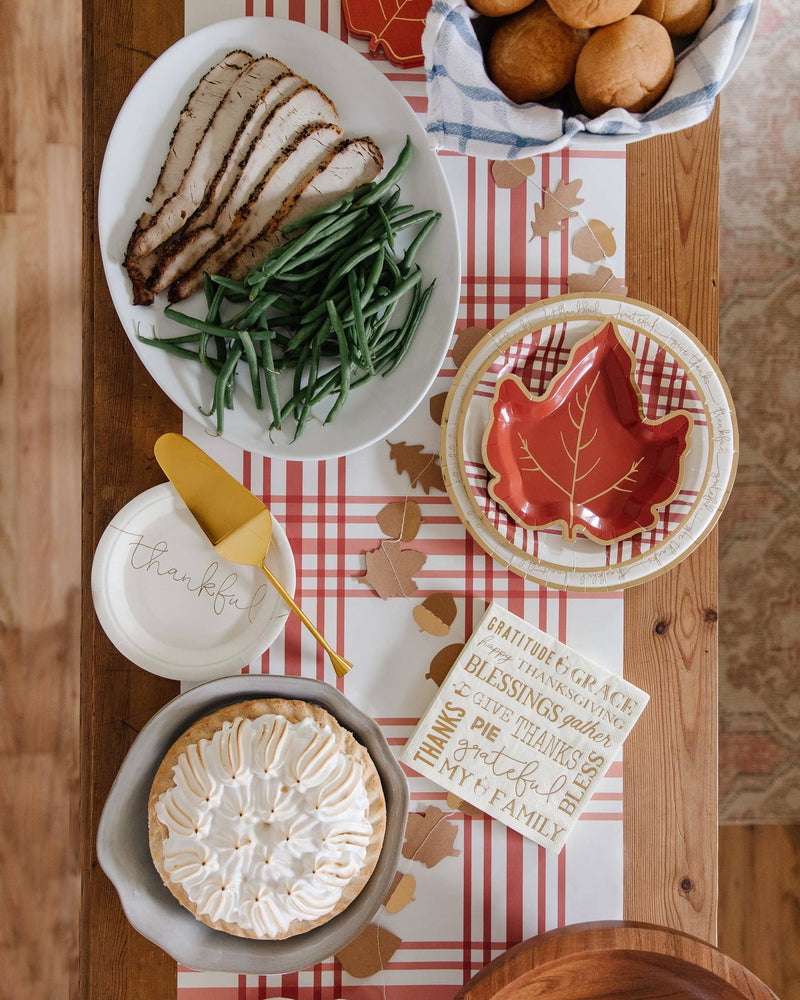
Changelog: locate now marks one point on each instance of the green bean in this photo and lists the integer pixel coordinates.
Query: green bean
(360, 331)
(305, 408)
(252, 364)
(268, 367)
(377, 191)
(221, 386)
(170, 348)
(416, 243)
(410, 327)
(344, 385)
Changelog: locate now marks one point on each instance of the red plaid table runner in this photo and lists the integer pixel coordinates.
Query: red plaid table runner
(500, 888)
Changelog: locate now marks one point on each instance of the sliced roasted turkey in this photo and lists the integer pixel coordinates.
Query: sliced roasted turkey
(193, 121)
(266, 207)
(306, 106)
(210, 153)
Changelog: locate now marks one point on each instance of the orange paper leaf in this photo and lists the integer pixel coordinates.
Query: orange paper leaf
(512, 173)
(582, 455)
(401, 893)
(594, 242)
(369, 953)
(602, 280)
(393, 25)
(557, 206)
(422, 467)
(400, 519)
(443, 661)
(391, 569)
(429, 837)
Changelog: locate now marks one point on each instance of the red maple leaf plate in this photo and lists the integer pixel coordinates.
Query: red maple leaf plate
(582, 455)
(673, 374)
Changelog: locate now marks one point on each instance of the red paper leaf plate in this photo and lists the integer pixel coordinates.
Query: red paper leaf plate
(393, 25)
(583, 455)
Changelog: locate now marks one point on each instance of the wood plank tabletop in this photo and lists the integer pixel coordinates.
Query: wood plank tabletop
(670, 821)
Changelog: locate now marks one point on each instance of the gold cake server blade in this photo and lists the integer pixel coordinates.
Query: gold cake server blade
(236, 522)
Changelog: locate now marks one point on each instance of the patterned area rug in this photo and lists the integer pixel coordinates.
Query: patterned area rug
(760, 356)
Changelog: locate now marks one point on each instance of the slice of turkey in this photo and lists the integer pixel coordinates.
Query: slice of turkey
(272, 199)
(193, 121)
(356, 162)
(306, 106)
(192, 124)
(211, 151)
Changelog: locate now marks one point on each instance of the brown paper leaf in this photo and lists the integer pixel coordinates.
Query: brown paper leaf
(390, 569)
(594, 242)
(557, 206)
(436, 407)
(461, 805)
(466, 340)
(422, 467)
(369, 952)
(512, 173)
(401, 893)
(400, 519)
(443, 661)
(430, 837)
(602, 280)
(436, 614)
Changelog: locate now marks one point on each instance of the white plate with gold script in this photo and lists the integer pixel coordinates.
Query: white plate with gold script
(171, 604)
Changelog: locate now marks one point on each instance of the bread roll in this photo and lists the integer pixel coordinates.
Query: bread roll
(628, 64)
(592, 13)
(498, 8)
(679, 17)
(533, 54)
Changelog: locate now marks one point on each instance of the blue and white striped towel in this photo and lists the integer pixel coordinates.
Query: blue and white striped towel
(468, 113)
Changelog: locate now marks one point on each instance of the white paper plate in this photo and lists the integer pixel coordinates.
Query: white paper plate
(368, 104)
(123, 847)
(175, 607)
(658, 342)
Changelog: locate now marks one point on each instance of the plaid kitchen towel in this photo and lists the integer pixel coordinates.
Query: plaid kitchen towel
(467, 113)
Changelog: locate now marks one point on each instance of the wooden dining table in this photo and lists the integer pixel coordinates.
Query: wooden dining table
(670, 623)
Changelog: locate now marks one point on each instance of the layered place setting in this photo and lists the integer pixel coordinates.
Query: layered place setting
(428, 444)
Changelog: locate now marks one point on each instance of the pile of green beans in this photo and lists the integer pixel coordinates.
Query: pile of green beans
(328, 292)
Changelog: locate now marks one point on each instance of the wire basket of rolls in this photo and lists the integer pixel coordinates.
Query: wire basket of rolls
(514, 78)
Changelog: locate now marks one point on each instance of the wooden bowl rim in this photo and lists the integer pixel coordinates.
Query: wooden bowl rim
(617, 935)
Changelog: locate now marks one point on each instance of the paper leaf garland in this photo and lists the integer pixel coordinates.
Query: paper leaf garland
(443, 661)
(583, 456)
(391, 569)
(400, 519)
(422, 467)
(466, 340)
(602, 280)
(436, 614)
(369, 952)
(512, 173)
(395, 26)
(557, 206)
(401, 893)
(430, 837)
(594, 242)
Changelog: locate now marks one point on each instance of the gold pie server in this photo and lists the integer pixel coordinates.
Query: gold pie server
(237, 524)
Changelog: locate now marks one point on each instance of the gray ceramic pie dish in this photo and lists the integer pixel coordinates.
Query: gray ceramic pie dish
(123, 848)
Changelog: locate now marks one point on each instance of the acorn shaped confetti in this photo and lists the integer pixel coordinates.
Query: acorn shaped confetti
(436, 614)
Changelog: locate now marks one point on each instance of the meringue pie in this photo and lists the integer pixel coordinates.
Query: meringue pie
(266, 818)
